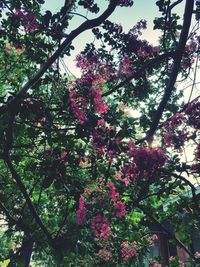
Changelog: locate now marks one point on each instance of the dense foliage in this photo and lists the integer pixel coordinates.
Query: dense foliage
(89, 163)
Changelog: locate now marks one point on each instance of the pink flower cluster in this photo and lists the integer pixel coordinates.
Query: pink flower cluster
(100, 140)
(128, 250)
(152, 239)
(81, 212)
(29, 20)
(105, 254)
(172, 134)
(144, 161)
(125, 180)
(119, 206)
(177, 119)
(175, 130)
(99, 104)
(188, 56)
(94, 71)
(100, 226)
(125, 66)
(149, 160)
(196, 165)
(86, 64)
(193, 112)
(197, 254)
(114, 195)
(75, 103)
(197, 153)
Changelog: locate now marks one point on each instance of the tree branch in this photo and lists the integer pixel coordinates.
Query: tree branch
(146, 65)
(30, 204)
(175, 70)
(18, 223)
(175, 4)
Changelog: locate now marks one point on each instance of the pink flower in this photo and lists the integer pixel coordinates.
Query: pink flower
(79, 114)
(168, 138)
(177, 119)
(29, 20)
(101, 122)
(119, 178)
(131, 148)
(114, 195)
(154, 237)
(75, 103)
(99, 104)
(128, 250)
(197, 254)
(145, 162)
(197, 153)
(105, 254)
(87, 191)
(100, 226)
(81, 212)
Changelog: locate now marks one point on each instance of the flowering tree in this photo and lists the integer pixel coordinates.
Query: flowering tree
(82, 181)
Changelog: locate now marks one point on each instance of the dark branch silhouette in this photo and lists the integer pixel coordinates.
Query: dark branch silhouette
(175, 70)
(30, 204)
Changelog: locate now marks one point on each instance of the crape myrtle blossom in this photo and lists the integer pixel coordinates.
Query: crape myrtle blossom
(193, 113)
(128, 250)
(197, 254)
(172, 134)
(114, 195)
(143, 161)
(76, 104)
(94, 74)
(100, 226)
(176, 130)
(99, 104)
(81, 212)
(189, 55)
(28, 20)
(196, 165)
(120, 207)
(105, 254)
(103, 142)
